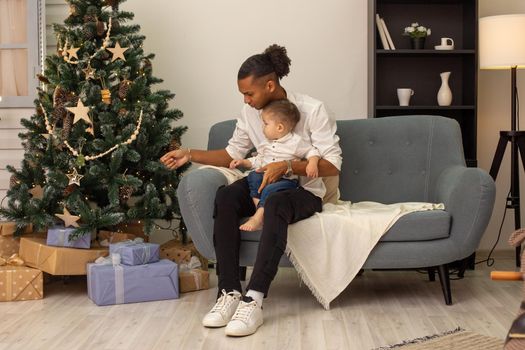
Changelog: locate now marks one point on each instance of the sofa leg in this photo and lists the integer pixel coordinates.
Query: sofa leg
(242, 273)
(431, 274)
(444, 278)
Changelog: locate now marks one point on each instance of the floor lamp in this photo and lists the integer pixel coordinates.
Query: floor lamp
(501, 46)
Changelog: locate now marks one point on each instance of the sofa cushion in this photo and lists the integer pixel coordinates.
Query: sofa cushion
(418, 226)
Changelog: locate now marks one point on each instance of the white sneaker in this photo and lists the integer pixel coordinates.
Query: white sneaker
(222, 312)
(247, 318)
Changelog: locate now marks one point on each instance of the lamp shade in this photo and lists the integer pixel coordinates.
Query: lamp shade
(501, 43)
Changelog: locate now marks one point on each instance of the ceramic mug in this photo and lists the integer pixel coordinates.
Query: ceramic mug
(404, 94)
(447, 42)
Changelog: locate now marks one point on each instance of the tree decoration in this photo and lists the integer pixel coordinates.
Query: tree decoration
(125, 193)
(118, 52)
(69, 220)
(106, 96)
(74, 177)
(89, 72)
(124, 88)
(13, 181)
(80, 112)
(37, 192)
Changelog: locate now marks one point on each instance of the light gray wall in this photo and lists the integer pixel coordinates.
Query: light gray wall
(201, 44)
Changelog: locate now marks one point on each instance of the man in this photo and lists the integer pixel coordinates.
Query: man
(259, 82)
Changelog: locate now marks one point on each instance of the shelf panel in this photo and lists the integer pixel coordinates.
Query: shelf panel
(412, 52)
(409, 108)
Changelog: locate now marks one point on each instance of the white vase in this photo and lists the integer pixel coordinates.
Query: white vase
(444, 95)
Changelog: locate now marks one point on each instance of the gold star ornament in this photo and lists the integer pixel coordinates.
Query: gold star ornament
(117, 51)
(89, 72)
(69, 220)
(37, 192)
(72, 52)
(74, 177)
(80, 112)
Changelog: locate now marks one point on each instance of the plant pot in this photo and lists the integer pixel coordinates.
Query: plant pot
(417, 43)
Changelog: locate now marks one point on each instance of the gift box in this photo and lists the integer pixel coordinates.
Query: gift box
(9, 245)
(18, 282)
(180, 253)
(8, 228)
(58, 236)
(133, 227)
(135, 252)
(114, 237)
(58, 260)
(192, 280)
(121, 284)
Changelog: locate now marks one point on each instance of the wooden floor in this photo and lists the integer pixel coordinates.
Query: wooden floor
(379, 308)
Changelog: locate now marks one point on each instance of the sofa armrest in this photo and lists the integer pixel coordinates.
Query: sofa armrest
(468, 195)
(196, 195)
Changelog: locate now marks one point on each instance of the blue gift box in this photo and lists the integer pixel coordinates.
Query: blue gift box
(121, 284)
(136, 253)
(58, 236)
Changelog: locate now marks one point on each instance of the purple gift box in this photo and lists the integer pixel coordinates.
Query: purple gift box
(121, 284)
(58, 236)
(136, 253)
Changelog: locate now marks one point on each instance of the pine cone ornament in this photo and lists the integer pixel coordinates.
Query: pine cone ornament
(122, 112)
(101, 28)
(89, 31)
(123, 88)
(125, 193)
(174, 144)
(13, 181)
(68, 190)
(60, 96)
(43, 79)
(66, 126)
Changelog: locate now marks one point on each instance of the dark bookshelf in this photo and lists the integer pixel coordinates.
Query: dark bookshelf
(420, 69)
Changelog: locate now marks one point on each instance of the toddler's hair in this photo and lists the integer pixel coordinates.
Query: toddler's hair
(283, 111)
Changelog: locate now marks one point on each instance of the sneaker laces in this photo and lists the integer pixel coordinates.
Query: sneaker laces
(244, 310)
(223, 302)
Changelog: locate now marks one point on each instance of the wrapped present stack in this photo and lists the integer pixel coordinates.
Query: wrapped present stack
(193, 273)
(58, 255)
(133, 273)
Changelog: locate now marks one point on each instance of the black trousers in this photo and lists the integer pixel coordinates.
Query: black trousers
(232, 203)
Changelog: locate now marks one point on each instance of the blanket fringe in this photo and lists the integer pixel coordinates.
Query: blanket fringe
(306, 280)
(421, 339)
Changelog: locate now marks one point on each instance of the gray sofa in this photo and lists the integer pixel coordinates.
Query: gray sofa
(388, 160)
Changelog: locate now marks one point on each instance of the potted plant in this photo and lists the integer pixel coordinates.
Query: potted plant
(417, 34)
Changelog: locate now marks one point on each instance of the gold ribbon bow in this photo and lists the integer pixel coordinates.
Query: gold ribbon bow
(13, 260)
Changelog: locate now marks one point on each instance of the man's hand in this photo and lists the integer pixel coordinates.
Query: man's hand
(175, 159)
(272, 173)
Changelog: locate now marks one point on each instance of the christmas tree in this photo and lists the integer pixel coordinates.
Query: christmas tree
(98, 131)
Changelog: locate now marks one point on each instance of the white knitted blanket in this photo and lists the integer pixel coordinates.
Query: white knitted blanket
(329, 248)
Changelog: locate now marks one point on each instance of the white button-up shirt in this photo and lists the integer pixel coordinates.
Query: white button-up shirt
(316, 126)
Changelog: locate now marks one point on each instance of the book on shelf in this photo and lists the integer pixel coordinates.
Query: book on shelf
(382, 34)
(387, 34)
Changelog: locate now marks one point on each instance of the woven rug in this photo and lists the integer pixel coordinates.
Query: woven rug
(457, 339)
